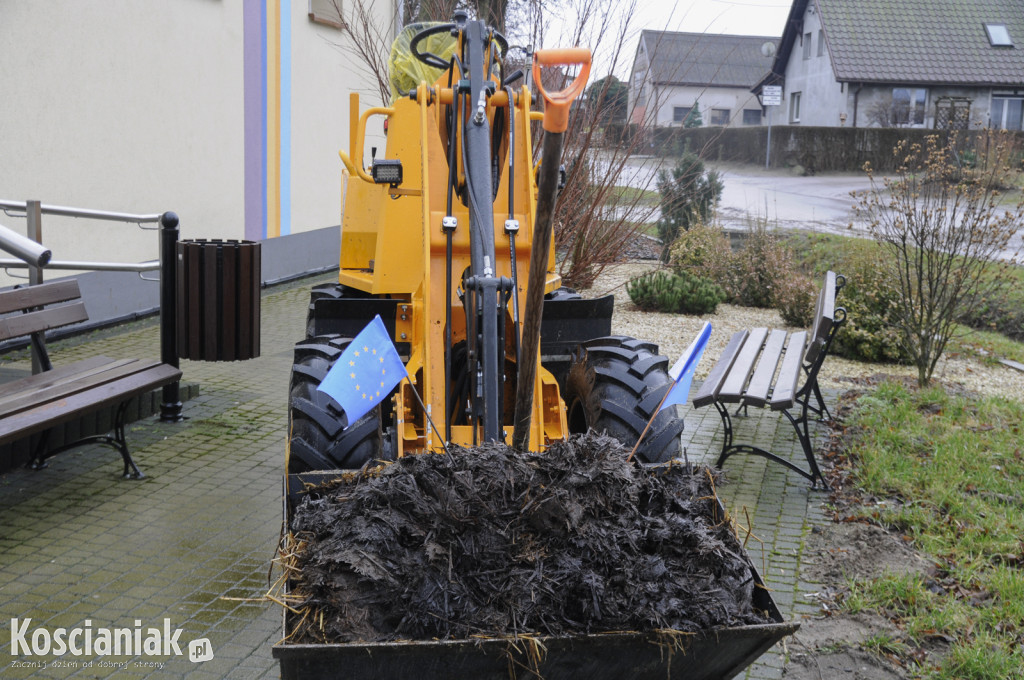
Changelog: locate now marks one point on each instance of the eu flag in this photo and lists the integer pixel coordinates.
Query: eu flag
(365, 372)
(682, 371)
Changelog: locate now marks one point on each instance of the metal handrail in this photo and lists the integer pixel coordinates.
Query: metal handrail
(81, 212)
(34, 265)
(33, 256)
(81, 265)
(28, 252)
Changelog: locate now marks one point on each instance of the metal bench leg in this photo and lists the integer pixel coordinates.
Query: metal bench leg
(813, 474)
(38, 460)
(727, 434)
(131, 470)
(116, 439)
(804, 435)
(821, 410)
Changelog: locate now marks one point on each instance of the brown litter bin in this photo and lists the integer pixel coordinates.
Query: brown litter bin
(218, 300)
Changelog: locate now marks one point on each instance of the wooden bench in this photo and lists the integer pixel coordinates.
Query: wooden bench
(779, 370)
(36, 403)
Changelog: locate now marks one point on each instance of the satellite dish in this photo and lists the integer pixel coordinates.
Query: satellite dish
(768, 49)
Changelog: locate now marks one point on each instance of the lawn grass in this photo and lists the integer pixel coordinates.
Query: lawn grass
(818, 252)
(951, 470)
(630, 195)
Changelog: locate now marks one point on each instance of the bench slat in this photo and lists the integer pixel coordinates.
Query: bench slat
(14, 388)
(761, 381)
(708, 391)
(17, 325)
(53, 413)
(37, 296)
(46, 390)
(732, 388)
(824, 314)
(785, 387)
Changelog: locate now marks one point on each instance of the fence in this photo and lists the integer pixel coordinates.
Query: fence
(817, 149)
(31, 255)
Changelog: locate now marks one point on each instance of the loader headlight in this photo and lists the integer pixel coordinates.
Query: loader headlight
(387, 172)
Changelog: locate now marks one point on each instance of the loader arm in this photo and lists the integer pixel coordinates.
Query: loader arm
(486, 294)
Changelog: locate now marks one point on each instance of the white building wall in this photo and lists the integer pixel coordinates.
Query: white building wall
(639, 88)
(122, 106)
(141, 106)
(873, 96)
(822, 98)
(324, 73)
(733, 99)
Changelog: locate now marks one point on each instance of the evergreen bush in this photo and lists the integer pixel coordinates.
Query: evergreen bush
(688, 197)
(675, 293)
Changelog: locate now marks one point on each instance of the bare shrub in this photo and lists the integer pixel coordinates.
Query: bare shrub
(759, 267)
(795, 298)
(942, 231)
(704, 250)
(595, 220)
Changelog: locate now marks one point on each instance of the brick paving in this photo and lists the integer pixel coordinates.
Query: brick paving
(192, 542)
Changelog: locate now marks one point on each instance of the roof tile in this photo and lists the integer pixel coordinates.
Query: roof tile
(924, 41)
(706, 58)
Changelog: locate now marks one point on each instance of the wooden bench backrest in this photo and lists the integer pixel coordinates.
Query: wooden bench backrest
(824, 316)
(31, 297)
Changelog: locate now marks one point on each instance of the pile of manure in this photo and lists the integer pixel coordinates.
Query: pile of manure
(487, 541)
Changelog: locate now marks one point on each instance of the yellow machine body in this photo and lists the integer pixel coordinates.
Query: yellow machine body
(393, 245)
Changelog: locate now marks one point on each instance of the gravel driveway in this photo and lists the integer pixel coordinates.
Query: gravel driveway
(674, 332)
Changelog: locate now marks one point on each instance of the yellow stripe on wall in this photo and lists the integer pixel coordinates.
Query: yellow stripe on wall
(273, 118)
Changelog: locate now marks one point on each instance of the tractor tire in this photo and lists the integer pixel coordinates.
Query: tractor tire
(334, 291)
(563, 293)
(318, 438)
(614, 385)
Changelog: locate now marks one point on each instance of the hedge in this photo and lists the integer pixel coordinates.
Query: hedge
(817, 149)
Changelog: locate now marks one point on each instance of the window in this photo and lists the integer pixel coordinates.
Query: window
(681, 113)
(806, 42)
(794, 107)
(326, 12)
(908, 106)
(998, 35)
(1008, 113)
(720, 116)
(821, 42)
(751, 116)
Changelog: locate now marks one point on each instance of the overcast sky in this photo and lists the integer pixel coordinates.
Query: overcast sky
(739, 17)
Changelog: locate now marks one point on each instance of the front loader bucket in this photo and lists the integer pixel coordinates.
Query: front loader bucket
(717, 653)
(710, 655)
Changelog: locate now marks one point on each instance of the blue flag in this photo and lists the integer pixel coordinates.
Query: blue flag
(682, 371)
(365, 373)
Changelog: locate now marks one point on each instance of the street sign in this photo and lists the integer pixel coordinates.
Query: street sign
(771, 95)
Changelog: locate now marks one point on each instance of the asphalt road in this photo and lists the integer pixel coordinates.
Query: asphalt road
(818, 203)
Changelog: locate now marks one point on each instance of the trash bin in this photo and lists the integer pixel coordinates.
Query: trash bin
(218, 300)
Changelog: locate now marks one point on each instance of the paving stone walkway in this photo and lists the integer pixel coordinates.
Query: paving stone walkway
(191, 543)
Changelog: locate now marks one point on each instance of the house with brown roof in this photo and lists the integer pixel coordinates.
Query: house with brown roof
(912, 63)
(675, 74)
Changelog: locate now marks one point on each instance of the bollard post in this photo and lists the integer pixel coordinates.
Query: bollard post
(170, 408)
(34, 231)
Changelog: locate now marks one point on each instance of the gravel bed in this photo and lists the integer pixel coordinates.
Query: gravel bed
(674, 332)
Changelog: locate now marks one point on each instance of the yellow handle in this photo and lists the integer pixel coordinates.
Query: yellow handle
(557, 104)
(357, 152)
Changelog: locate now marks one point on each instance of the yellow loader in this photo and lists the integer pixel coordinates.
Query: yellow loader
(438, 233)
(446, 236)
